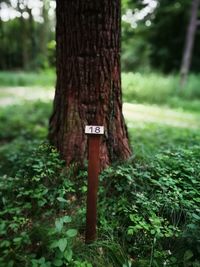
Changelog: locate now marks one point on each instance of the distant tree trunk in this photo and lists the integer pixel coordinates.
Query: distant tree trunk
(2, 62)
(45, 29)
(88, 87)
(32, 34)
(23, 38)
(189, 42)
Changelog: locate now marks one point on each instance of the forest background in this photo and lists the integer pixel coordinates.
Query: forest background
(149, 206)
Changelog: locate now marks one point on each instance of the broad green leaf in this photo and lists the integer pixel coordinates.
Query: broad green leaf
(59, 225)
(54, 244)
(71, 232)
(5, 243)
(58, 262)
(62, 243)
(130, 231)
(195, 216)
(66, 219)
(68, 255)
(17, 239)
(41, 260)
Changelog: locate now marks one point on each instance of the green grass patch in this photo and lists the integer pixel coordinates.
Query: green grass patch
(21, 78)
(25, 120)
(159, 89)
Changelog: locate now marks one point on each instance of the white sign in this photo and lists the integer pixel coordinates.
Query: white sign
(93, 129)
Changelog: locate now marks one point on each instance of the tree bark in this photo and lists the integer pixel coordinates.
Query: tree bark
(88, 90)
(189, 42)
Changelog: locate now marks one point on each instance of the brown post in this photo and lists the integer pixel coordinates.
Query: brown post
(93, 172)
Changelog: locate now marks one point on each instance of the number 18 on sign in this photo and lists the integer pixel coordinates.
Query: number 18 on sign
(94, 134)
(90, 129)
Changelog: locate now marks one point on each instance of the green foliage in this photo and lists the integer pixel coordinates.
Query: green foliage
(155, 207)
(159, 89)
(158, 44)
(25, 43)
(153, 88)
(19, 78)
(19, 132)
(11, 51)
(135, 49)
(18, 124)
(148, 207)
(167, 35)
(31, 200)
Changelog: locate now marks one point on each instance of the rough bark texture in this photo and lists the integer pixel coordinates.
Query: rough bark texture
(189, 42)
(88, 90)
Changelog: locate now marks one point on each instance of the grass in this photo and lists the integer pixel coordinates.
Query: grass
(21, 78)
(154, 88)
(148, 206)
(165, 154)
(154, 128)
(160, 115)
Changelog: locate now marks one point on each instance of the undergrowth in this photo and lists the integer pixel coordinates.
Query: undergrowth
(152, 88)
(21, 78)
(155, 88)
(148, 209)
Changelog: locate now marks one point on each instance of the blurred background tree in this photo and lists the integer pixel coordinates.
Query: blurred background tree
(189, 42)
(162, 181)
(27, 34)
(153, 35)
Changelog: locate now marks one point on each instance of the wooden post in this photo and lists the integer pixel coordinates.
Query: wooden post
(93, 172)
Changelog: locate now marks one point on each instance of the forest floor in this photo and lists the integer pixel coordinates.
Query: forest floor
(133, 113)
(152, 216)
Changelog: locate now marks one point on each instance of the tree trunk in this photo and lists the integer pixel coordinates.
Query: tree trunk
(45, 29)
(189, 42)
(32, 34)
(24, 38)
(88, 90)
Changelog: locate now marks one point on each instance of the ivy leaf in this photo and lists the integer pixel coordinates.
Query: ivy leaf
(54, 244)
(68, 255)
(71, 232)
(17, 240)
(59, 225)
(41, 260)
(195, 216)
(58, 262)
(62, 243)
(67, 219)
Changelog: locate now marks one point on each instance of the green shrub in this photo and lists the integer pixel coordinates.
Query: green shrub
(29, 120)
(155, 208)
(34, 225)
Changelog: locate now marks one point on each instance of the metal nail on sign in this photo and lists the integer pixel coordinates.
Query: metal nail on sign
(94, 129)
